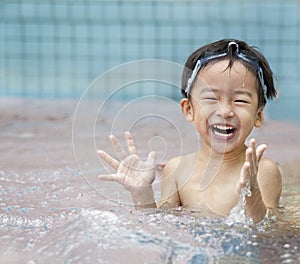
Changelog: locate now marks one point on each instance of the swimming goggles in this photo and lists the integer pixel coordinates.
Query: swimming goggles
(253, 61)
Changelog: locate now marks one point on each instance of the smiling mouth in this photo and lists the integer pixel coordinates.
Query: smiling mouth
(224, 131)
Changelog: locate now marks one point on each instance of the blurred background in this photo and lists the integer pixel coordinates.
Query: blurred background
(55, 48)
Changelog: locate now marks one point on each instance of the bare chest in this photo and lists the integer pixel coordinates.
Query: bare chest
(217, 194)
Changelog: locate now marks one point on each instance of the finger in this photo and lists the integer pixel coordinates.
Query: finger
(249, 158)
(245, 175)
(150, 161)
(108, 177)
(260, 151)
(108, 159)
(252, 145)
(246, 183)
(151, 157)
(130, 143)
(121, 154)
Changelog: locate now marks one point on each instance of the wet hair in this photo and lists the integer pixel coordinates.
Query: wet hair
(221, 46)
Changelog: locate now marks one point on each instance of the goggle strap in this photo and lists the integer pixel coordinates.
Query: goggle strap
(262, 83)
(237, 53)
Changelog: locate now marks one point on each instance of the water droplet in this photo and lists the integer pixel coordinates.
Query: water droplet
(287, 246)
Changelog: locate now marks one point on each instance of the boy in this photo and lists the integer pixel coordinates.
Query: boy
(225, 85)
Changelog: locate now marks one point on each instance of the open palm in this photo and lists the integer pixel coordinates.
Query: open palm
(131, 171)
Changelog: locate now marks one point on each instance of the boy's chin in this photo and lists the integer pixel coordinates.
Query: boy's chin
(221, 147)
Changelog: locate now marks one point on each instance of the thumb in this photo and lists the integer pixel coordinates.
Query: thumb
(151, 157)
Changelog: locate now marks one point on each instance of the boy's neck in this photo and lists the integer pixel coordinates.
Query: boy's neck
(223, 158)
(218, 165)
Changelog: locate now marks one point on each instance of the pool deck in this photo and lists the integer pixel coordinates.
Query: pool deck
(37, 135)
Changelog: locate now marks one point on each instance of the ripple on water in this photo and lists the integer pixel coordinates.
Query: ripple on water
(56, 215)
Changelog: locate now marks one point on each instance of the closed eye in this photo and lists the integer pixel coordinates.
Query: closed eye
(242, 101)
(210, 98)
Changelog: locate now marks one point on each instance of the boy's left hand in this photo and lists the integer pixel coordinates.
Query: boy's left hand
(254, 205)
(250, 168)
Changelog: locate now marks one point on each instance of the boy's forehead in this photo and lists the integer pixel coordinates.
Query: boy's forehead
(221, 70)
(219, 75)
(223, 66)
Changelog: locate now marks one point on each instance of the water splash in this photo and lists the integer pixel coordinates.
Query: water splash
(237, 214)
(59, 217)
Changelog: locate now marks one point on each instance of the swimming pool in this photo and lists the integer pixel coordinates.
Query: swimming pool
(54, 216)
(52, 213)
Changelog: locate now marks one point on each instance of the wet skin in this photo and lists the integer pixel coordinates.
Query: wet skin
(223, 108)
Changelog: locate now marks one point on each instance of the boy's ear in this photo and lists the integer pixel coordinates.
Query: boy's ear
(187, 109)
(259, 120)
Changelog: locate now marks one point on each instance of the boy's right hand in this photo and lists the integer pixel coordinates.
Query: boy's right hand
(133, 173)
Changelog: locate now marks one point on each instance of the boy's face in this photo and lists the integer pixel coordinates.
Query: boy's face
(224, 105)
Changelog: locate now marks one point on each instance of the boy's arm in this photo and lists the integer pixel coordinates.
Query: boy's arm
(169, 190)
(266, 193)
(270, 183)
(264, 180)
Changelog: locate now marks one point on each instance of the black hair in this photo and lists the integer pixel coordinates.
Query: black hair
(221, 46)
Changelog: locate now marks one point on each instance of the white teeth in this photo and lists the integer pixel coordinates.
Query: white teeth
(223, 130)
(222, 134)
(223, 127)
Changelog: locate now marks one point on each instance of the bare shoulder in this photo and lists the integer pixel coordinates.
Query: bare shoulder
(270, 182)
(174, 169)
(178, 164)
(269, 169)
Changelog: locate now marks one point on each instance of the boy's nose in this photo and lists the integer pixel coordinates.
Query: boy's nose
(224, 110)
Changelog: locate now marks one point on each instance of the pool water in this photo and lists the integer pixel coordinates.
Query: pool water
(55, 217)
(51, 212)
